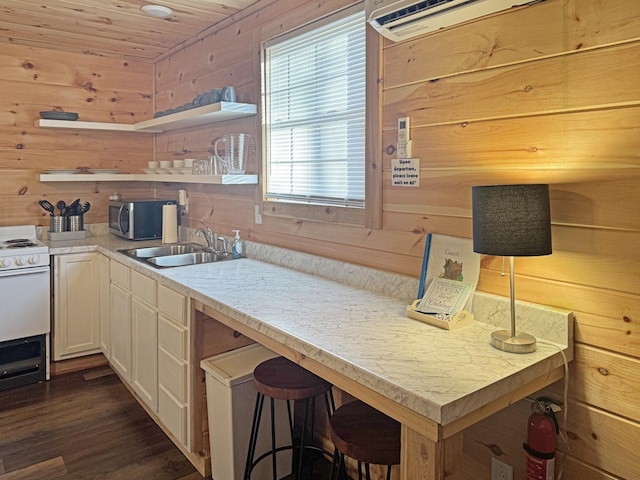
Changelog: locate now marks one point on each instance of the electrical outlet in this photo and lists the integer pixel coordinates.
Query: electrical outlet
(258, 216)
(500, 470)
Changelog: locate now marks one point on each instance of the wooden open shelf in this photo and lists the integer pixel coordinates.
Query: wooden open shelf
(216, 112)
(131, 177)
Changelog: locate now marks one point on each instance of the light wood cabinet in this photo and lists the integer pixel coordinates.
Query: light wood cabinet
(144, 339)
(120, 319)
(103, 272)
(144, 351)
(173, 363)
(149, 346)
(76, 325)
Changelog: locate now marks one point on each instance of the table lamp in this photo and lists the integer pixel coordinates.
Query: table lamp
(513, 221)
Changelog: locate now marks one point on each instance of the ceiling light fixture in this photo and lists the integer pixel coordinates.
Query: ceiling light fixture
(156, 11)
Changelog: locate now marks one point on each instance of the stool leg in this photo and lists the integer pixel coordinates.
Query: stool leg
(290, 420)
(329, 402)
(334, 464)
(367, 472)
(359, 470)
(311, 432)
(253, 437)
(388, 472)
(302, 435)
(274, 467)
(338, 470)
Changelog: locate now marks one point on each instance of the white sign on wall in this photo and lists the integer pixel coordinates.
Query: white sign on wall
(405, 172)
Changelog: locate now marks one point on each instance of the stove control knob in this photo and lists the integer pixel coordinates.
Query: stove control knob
(34, 259)
(19, 261)
(4, 263)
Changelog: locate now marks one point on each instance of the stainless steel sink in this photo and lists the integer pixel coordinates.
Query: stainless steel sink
(163, 250)
(175, 255)
(188, 259)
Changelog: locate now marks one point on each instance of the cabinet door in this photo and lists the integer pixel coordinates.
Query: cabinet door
(120, 329)
(144, 368)
(173, 403)
(76, 329)
(105, 302)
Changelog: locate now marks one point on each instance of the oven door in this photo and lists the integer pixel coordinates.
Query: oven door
(26, 302)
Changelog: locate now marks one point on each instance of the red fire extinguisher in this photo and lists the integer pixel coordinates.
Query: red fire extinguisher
(541, 441)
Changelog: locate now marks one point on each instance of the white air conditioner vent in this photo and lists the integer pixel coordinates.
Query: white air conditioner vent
(402, 19)
(409, 11)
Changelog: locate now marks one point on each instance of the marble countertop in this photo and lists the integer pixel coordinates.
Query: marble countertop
(364, 335)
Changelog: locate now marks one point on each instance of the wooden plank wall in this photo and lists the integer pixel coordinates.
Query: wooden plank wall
(547, 93)
(98, 89)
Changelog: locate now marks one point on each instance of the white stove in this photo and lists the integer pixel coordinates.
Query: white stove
(25, 296)
(19, 248)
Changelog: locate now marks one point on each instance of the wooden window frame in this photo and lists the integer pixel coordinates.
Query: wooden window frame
(371, 215)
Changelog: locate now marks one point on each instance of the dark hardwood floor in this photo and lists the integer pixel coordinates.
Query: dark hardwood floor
(83, 425)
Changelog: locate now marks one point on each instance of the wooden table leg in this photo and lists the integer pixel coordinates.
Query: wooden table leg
(424, 459)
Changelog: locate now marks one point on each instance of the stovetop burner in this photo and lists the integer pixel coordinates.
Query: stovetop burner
(19, 243)
(22, 244)
(22, 239)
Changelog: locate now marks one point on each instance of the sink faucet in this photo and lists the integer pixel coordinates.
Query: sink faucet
(213, 240)
(223, 244)
(208, 235)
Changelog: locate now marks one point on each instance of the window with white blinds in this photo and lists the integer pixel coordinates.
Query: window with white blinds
(314, 106)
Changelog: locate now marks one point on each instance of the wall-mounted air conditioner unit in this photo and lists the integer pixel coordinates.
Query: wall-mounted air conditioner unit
(402, 19)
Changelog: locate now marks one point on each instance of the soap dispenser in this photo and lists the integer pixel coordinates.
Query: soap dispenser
(236, 248)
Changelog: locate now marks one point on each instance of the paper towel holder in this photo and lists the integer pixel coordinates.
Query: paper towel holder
(183, 203)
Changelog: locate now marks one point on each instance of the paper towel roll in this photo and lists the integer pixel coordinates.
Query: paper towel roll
(169, 223)
(182, 197)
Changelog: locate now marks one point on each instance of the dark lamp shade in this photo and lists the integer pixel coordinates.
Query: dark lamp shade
(511, 220)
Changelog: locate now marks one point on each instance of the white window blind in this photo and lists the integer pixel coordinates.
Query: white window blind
(315, 113)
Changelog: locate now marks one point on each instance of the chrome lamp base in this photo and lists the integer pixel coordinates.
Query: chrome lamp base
(518, 343)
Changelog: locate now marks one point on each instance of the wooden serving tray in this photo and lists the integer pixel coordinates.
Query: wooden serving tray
(460, 319)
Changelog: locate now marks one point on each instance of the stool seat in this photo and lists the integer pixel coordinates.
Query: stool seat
(365, 434)
(282, 379)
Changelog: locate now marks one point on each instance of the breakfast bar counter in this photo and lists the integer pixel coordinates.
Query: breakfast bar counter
(435, 382)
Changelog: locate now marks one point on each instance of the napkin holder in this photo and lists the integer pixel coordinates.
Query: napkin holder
(460, 319)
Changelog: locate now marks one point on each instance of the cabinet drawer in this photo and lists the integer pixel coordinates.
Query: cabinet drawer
(172, 304)
(172, 374)
(173, 414)
(144, 288)
(172, 337)
(120, 274)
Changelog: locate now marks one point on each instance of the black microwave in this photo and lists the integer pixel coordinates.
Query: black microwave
(137, 219)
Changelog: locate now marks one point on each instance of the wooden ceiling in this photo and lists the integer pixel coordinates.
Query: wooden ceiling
(114, 28)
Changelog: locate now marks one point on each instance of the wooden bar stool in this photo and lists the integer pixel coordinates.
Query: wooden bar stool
(363, 433)
(281, 379)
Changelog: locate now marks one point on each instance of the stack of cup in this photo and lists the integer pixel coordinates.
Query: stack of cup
(201, 167)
